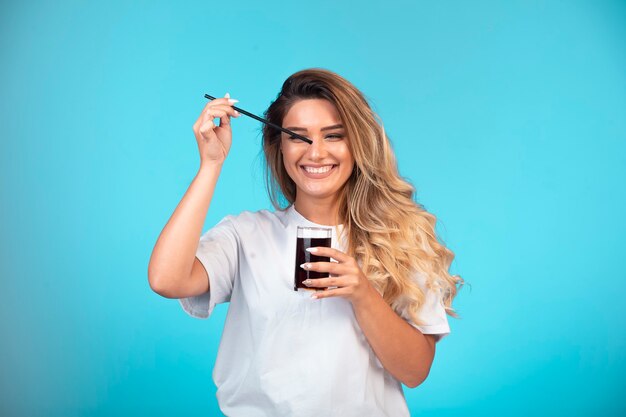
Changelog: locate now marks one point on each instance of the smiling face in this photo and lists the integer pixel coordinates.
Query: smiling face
(320, 169)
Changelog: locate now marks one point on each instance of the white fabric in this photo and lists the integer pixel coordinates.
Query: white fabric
(283, 353)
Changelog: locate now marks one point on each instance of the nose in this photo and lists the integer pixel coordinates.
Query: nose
(317, 150)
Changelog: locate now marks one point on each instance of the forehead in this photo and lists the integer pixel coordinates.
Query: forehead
(312, 113)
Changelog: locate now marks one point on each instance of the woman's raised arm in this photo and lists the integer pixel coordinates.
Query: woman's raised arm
(174, 271)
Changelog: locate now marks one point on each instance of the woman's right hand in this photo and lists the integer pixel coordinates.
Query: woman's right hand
(214, 141)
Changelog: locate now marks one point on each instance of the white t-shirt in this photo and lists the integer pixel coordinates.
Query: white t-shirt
(283, 353)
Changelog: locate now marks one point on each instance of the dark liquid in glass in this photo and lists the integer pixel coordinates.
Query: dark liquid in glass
(303, 256)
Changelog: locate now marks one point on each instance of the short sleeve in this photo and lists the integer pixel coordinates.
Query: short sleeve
(218, 252)
(432, 313)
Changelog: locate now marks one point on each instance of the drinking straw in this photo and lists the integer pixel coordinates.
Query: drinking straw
(260, 119)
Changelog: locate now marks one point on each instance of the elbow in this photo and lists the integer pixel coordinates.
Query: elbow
(153, 279)
(421, 370)
(157, 284)
(412, 381)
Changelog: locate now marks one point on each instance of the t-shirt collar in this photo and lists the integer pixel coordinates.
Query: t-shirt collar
(299, 219)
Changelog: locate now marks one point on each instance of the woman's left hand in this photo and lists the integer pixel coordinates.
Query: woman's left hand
(347, 276)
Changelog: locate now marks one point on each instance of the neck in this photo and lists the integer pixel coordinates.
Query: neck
(319, 210)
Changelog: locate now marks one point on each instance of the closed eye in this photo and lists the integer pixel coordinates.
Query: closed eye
(295, 139)
(332, 137)
(335, 136)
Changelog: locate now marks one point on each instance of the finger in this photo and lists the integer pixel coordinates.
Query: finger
(219, 111)
(225, 113)
(208, 115)
(337, 292)
(222, 100)
(208, 121)
(325, 282)
(332, 267)
(206, 129)
(225, 121)
(217, 102)
(214, 114)
(226, 107)
(208, 124)
(222, 103)
(333, 253)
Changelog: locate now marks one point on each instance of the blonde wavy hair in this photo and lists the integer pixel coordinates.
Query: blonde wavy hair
(390, 234)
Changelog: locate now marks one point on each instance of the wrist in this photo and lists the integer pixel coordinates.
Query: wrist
(367, 297)
(210, 167)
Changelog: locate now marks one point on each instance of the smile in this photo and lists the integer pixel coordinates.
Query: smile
(318, 172)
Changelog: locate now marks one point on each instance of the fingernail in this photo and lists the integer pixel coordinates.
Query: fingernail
(236, 113)
(312, 249)
(232, 101)
(314, 296)
(307, 282)
(227, 95)
(305, 266)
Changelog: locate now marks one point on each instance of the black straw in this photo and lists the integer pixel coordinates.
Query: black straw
(260, 119)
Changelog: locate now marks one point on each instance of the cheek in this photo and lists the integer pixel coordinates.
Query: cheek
(289, 157)
(291, 151)
(345, 156)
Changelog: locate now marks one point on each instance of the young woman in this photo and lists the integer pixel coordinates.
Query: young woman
(345, 351)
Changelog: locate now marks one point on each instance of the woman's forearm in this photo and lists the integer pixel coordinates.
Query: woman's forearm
(174, 252)
(402, 349)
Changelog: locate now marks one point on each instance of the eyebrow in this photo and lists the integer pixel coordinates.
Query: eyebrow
(324, 128)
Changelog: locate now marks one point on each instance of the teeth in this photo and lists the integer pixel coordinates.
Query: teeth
(320, 170)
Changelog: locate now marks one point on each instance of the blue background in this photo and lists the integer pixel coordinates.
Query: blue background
(508, 117)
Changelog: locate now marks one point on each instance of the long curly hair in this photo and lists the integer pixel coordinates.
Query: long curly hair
(390, 234)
